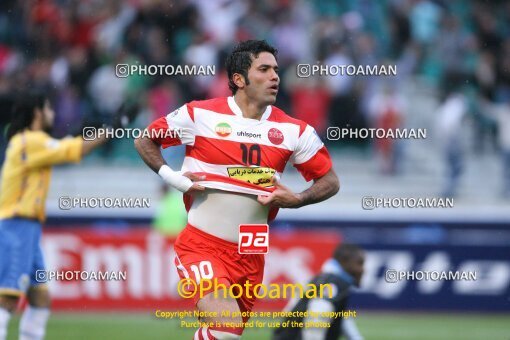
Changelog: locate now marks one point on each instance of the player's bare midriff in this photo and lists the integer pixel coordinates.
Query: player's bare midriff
(220, 213)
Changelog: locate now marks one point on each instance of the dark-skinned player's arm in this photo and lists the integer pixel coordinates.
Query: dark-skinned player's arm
(150, 153)
(322, 189)
(149, 149)
(313, 161)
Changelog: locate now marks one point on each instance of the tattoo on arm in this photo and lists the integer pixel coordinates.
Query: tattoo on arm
(322, 189)
(150, 153)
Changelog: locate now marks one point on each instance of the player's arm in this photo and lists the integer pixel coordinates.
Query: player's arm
(322, 189)
(313, 161)
(150, 153)
(149, 149)
(46, 151)
(89, 145)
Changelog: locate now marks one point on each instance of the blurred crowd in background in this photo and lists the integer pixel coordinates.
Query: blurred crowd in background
(459, 49)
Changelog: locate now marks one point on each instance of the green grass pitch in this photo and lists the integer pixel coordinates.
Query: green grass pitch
(373, 325)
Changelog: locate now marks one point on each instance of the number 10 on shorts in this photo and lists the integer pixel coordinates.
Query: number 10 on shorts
(253, 239)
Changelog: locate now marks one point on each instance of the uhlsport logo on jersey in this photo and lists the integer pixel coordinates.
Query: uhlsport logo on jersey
(275, 136)
(253, 239)
(223, 129)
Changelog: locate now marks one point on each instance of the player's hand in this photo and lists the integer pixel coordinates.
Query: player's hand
(194, 178)
(282, 197)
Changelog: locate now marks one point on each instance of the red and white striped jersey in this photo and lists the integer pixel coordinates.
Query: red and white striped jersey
(239, 154)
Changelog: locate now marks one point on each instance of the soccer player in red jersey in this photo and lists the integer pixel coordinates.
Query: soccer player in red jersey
(236, 151)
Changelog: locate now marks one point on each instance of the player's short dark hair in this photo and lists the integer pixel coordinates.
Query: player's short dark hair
(240, 59)
(23, 111)
(345, 252)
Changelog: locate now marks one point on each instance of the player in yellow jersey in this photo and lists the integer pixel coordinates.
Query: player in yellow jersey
(25, 181)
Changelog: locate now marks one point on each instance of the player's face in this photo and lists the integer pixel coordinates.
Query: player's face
(355, 267)
(264, 80)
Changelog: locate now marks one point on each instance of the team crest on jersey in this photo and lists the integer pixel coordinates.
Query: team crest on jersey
(223, 129)
(275, 136)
